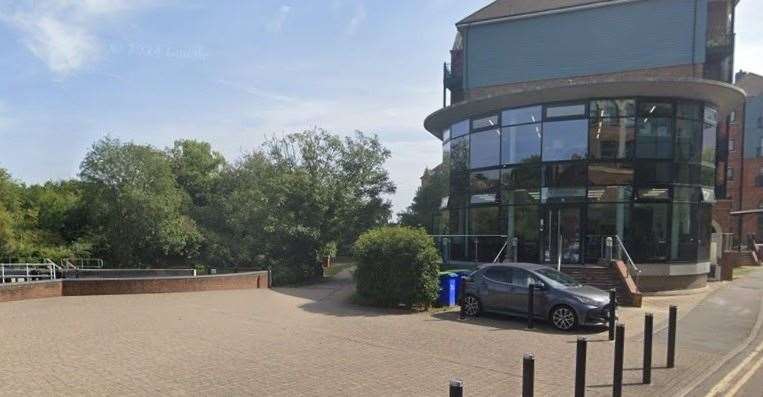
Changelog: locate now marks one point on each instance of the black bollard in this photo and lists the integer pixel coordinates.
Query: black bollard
(612, 313)
(528, 375)
(617, 381)
(531, 307)
(580, 367)
(672, 319)
(648, 327)
(456, 388)
(461, 296)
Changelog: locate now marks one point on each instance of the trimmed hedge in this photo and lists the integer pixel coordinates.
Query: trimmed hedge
(396, 265)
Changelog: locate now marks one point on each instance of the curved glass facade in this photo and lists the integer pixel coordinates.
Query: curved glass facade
(561, 177)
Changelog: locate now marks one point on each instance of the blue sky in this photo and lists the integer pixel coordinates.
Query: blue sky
(232, 73)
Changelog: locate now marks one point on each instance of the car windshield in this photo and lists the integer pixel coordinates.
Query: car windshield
(558, 277)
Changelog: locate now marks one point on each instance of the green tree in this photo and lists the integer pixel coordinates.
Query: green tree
(428, 199)
(197, 169)
(136, 205)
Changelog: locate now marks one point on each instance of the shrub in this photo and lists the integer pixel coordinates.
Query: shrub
(396, 265)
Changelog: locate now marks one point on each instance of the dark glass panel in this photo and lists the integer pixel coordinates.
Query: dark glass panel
(613, 108)
(655, 138)
(565, 140)
(521, 144)
(688, 174)
(605, 174)
(523, 223)
(612, 138)
(689, 110)
(459, 191)
(655, 110)
(485, 224)
(485, 149)
(704, 231)
(459, 155)
(709, 149)
(683, 247)
(688, 140)
(520, 185)
(653, 173)
(531, 114)
(711, 115)
(485, 122)
(606, 220)
(687, 194)
(446, 157)
(457, 227)
(459, 129)
(610, 193)
(707, 175)
(571, 110)
(564, 175)
(649, 232)
(483, 186)
(653, 193)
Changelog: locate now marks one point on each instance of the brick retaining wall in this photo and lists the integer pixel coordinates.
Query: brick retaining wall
(116, 286)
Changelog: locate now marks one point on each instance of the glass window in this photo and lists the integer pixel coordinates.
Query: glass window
(707, 175)
(483, 186)
(485, 122)
(704, 231)
(711, 116)
(655, 138)
(688, 174)
(688, 110)
(457, 226)
(522, 222)
(606, 220)
(709, 136)
(651, 110)
(459, 190)
(653, 194)
(485, 149)
(565, 140)
(649, 232)
(484, 227)
(605, 174)
(520, 185)
(459, 129)
(521, 277)
(446, 135)
(613, 108)
(683, 237)
(446, 157)
(521, 116)
(499, 273)
(610, 193)
(521, 144)
(459, 155)
(564, 175)
(565, 111)
(688, 140)
(612, 138)
(687, 194)
(653, 173)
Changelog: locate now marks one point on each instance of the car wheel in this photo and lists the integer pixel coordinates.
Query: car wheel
(564, 318)
(472, 306)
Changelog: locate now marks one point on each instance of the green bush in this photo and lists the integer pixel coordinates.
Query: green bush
(396, 265)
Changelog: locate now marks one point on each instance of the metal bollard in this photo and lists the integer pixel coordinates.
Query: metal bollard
(672, 319)
(609, 242)
(580, 367)
(612, 313)
(528, 375)
(456, 388)
(617, 378)
(648, 331)
(515, 249)
(531, 307)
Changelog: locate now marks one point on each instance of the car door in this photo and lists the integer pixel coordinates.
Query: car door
(520, 291)
(495, 288)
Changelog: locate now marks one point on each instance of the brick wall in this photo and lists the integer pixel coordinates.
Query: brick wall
(114, 286)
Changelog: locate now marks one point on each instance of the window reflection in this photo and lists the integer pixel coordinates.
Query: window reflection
(526, 115)
(612, 138)
(485, 149)
(521, 144)
(565, 140)
(483, 186)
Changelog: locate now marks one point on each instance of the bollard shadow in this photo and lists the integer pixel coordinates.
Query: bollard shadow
(500, 321)
(611, 385)
(641, 368)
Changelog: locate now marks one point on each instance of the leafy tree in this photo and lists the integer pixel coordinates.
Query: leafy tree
(136, 205)
(197, 169)
(428, 199)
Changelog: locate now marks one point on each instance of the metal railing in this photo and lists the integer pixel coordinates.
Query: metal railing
(633, 271)
(28, 272)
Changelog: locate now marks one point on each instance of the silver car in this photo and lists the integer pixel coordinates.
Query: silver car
(504, 288)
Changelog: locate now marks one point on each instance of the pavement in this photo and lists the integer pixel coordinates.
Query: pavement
(312, 341)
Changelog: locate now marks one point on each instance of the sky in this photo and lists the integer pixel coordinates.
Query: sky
(233, 73)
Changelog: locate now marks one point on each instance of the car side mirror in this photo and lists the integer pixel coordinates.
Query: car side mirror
(540, 285)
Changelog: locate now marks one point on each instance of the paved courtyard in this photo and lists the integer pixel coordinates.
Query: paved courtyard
(306, 341)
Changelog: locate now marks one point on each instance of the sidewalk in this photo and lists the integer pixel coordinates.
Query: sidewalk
(709, 335)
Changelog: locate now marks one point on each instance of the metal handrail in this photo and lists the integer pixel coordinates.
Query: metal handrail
(25, 271)
(631, 266)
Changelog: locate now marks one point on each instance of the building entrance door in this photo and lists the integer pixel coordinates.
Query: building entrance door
(562, 235)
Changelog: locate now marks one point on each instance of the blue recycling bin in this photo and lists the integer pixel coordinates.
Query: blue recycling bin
(448, 288)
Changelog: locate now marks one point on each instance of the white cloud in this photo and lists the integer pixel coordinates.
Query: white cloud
(61, 33)
(275, 25)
